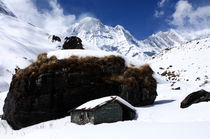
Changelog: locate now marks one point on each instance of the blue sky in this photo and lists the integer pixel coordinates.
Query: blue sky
(140, 17)
(137, 16)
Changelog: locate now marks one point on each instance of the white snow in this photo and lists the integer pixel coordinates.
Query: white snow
(20, 44)
(101, 101)
(190, 61)
(164, 119)
(62, 54)
(117, 39)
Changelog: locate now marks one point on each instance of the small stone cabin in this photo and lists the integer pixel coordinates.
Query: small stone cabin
(104, 110)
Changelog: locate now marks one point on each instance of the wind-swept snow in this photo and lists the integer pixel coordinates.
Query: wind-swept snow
(19, 46)
(4, 10)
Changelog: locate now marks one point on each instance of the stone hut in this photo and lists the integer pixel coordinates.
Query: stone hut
(104, 110)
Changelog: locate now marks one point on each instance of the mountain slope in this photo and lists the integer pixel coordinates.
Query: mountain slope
(4, 10)
(95, 35)
(19, 46)
(165, 118)
(188, 63)
(162, 40)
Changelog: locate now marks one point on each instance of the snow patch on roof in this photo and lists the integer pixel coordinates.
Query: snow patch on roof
(62, 54)
(101, 101)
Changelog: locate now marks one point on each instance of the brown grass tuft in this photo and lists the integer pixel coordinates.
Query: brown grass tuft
(141, 76)
(42, 57)
(107, 66)
(111, 69)
(146, 69)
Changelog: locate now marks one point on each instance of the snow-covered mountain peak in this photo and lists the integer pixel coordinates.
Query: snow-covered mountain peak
(89, 23)
(96, 35)
(100, 36)
(90, 20)
(162, 40)
(4, 10)
(119, 27)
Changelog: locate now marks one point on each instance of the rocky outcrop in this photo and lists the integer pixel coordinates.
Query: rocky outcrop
(195, 97)
(49, 88)
(138, 86)
(72, 42)
(56, 38)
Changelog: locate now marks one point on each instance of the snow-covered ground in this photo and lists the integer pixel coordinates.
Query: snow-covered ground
(187, 63)
(164, 119)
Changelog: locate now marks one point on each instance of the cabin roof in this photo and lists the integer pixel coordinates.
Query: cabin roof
(102, 101)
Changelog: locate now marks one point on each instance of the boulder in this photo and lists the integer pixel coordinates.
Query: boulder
(56, 38)
(72, 42)
(49, 87)
(195, 97)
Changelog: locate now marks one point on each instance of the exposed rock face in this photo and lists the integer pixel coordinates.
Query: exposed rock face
(136, 80)
(56, 38)
(49, 88)
(72, 43)
(195, 97)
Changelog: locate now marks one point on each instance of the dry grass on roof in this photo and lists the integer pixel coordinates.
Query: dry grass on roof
(111, 69)
(109, 64)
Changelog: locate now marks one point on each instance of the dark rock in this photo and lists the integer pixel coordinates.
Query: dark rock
(56, 38)
(177, 88)
(139, 80)
(49, 88)
(72, 43)
(164, 73)
(195, 97)
(167, 49)
(161, 68)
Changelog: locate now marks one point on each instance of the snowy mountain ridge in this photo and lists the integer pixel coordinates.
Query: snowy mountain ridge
(117, 39)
